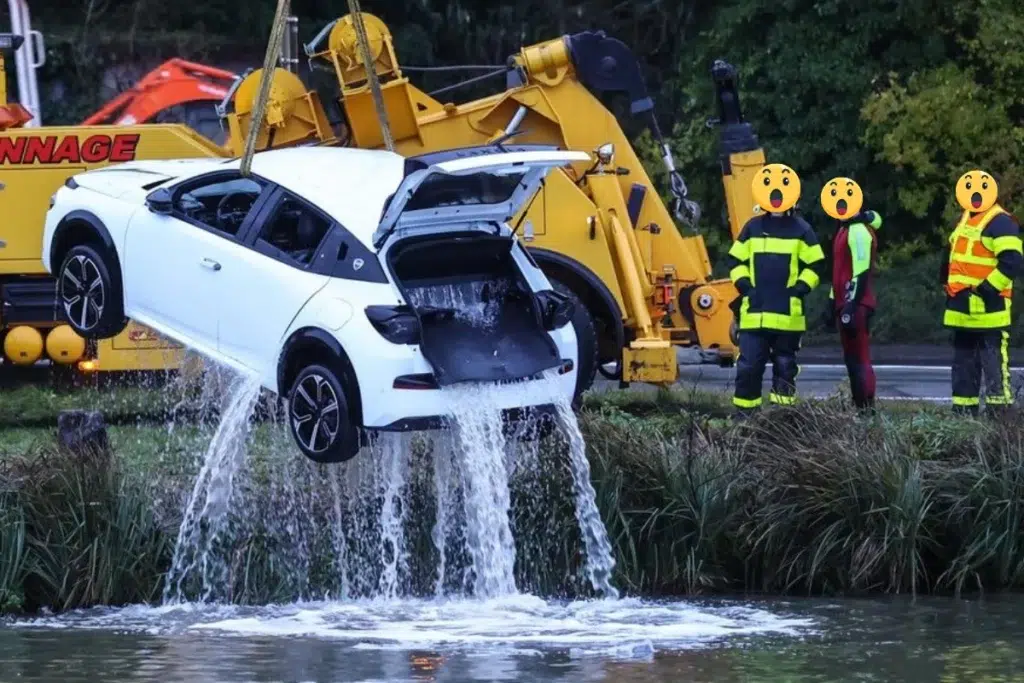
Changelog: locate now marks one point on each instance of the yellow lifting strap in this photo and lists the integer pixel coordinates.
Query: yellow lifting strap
(371, 73)
(259, 111)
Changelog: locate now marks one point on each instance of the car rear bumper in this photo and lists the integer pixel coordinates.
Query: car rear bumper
(435, 422)
(413, 403)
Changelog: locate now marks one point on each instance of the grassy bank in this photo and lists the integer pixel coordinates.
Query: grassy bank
(808, 500)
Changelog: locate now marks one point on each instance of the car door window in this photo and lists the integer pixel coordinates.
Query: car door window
(222, 204)
(293, 233)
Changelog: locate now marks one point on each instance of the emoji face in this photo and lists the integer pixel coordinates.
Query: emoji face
(976, 191)
(842, 198)
(776, 188)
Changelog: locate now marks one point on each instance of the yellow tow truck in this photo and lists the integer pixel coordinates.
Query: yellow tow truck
(601, 232)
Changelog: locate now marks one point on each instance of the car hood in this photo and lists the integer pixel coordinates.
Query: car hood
(138, 178)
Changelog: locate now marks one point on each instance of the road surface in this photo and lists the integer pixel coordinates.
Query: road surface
(909, 373)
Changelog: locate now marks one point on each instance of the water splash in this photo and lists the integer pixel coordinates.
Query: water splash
(478, 302)
(600, 560)
(394, 553)
(201, 528)
(407, 516)
(485, 480)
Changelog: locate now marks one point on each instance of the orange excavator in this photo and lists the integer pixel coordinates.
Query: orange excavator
(178, 90)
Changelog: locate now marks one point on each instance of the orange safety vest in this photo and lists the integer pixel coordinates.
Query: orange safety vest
(971, 258)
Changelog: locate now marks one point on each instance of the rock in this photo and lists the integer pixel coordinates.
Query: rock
(82, 431)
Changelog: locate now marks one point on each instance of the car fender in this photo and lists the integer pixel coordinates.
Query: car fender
(76, 216)
(106, 217)
(297, 338)
(343, 363)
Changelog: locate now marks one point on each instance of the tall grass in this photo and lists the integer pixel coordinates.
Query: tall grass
(816, 500)
(805, 500)
(77, 530)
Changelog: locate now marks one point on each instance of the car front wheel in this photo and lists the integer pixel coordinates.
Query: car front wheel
(318, 414)
(90, 297)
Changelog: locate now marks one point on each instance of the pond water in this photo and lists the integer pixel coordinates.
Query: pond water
(526, 639)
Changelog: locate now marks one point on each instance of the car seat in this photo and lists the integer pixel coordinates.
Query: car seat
(307, 238)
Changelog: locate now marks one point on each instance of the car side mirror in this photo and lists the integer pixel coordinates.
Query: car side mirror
(159, 201)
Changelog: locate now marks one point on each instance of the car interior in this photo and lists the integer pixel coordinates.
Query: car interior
(295, 231)
(222, 205)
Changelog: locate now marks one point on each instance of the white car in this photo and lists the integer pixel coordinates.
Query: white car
(356, 283)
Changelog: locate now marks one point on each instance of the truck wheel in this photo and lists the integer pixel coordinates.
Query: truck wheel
(319, 418)
(91, 299)
(586, 341)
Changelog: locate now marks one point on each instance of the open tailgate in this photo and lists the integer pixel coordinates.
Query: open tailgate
(486, 187)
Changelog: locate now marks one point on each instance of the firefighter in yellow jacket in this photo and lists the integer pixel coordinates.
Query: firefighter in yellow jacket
(983, 258)
(774, 263)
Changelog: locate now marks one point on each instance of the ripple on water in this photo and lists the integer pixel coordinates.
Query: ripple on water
(521, 622)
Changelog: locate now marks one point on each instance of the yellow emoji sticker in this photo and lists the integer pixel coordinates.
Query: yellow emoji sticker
(776, 188)
(976, 191)
(842, 198)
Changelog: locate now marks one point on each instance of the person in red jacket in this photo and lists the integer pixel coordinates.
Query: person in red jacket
(851, 297)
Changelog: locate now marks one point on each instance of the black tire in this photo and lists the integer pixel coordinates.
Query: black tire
(330, 436)
(586, 341)
(85, 270)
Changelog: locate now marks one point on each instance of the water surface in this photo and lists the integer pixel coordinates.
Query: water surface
(526, 639)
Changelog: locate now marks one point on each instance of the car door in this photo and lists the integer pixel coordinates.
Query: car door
(176, 256)
(277, 272)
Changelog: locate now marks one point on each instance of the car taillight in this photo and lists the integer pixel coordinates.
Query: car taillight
(556, 309)
(397, 324)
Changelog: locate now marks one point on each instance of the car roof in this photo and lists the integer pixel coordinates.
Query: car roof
(350, 184)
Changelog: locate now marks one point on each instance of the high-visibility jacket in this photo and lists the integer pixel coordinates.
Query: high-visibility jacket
(854, 255)
(984, 247)
(774, 263)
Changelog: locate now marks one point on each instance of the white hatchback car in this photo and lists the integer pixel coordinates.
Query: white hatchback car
(355, 283)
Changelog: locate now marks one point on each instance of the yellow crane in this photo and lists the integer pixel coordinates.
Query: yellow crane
(599, 231)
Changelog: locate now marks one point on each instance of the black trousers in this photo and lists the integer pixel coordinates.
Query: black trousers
(981, 355)
(756, 349)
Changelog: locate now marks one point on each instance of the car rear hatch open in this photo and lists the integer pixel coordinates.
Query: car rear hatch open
(447, 241)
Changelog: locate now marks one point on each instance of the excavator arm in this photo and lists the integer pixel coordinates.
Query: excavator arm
(175, 82)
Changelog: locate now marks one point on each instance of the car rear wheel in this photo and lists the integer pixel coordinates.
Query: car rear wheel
(319, 418)
(91, 299)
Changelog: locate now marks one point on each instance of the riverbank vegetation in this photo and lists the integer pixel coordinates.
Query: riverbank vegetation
(904, 96)
(808, 500)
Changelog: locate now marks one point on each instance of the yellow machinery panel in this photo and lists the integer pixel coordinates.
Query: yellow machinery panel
(24, 199)
(737, 184)
(112, 358)
(654, 364)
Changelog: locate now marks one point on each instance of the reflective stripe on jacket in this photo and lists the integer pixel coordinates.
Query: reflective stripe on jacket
(773, 254)
(982, 248)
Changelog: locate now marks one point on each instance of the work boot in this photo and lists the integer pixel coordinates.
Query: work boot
(866, 407)
(998, 412)
(741, 415)
(965, 411)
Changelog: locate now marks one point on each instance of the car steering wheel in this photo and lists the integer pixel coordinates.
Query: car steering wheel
(232, 216)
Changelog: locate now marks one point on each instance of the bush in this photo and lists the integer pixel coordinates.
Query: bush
(811, 499)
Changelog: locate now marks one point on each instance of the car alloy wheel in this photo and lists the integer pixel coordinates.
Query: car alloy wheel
(81, 288)
(315, 413)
